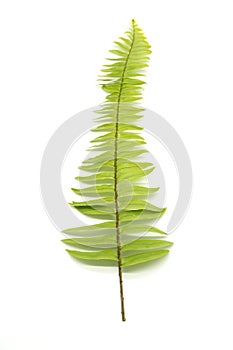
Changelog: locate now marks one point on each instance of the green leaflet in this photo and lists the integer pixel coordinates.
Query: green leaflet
(108, 204)
(94, 191)
(109, 155)
(107, 191)
(100, 255)
(136, 227)
(145, 244)
(103, 213)
(143, 257)
(98, 229)
(133, 172)
(97, 241)
(110, 227)
(112, 180)
(123, 145)
(140, 215)
(100, 178)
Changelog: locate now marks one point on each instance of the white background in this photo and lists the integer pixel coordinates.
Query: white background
(51, 53)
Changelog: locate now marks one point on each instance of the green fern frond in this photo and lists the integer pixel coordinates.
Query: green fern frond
(114, 172)
(121, 76)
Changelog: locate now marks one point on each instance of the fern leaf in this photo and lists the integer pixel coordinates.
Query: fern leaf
(113, 174)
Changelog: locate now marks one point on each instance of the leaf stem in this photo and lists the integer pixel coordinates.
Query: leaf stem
(116, 183)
